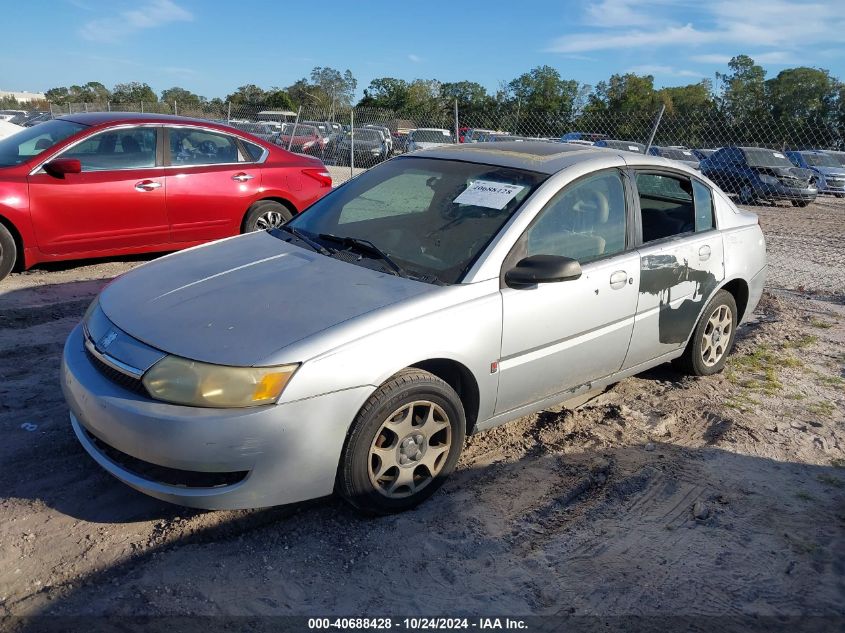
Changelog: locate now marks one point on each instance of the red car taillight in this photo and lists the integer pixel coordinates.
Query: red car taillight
(320, 175)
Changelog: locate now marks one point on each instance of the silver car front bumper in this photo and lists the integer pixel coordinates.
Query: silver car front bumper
(242, 458)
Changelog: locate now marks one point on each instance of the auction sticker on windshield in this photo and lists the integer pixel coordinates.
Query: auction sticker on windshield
(487, 193)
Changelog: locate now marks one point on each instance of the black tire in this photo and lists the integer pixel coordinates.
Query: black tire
(800, 203)
(266, 214)
(839, 195)
(692, 362)
(354, 482)
(8, 252)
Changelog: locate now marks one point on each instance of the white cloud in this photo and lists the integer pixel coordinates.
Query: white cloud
(414, 58)
(733, 24)
(770, 57)
(609, 13)
(153, 14)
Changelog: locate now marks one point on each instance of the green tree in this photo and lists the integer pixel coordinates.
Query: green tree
(91, 92)
(185, 98)
(743, 90)
(133, 92)
(96, 92)
(802, 94)
(58, 95)
(386, 92)
(277, 99)
(625, 94)
(689, 100)
(333, 88)
(248, 94)
(545, 102)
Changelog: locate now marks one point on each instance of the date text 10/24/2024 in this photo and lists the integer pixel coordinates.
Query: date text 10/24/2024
(416, 624)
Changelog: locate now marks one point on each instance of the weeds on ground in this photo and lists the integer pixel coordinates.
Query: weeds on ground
(822, 325)
(821, 408)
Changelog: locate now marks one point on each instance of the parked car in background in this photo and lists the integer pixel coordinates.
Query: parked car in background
(462, 132)
(304, 139)
(385, 132)
(679, 154)
(437, 295)
(428, 137)
(758, 173)
(7, 128)
(114, 183)
(498, 138)
(369, 146)
(839, 157)
(592, 137)
(701, 154)
(8, 115)
(625, 146)
(264, 131)
(473, 135)
(828, 174)
(577, 142)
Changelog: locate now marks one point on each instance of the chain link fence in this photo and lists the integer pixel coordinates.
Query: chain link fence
(756, 159)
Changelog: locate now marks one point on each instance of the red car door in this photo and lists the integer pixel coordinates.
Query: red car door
(210, 184)
(116, 203)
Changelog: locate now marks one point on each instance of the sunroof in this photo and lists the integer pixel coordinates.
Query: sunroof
(537, 148)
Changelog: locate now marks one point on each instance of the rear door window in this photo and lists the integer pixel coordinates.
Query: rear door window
(703, 196)
(666, 205)
(203, 147)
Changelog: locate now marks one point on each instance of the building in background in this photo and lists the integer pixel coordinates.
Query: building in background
(22, 96)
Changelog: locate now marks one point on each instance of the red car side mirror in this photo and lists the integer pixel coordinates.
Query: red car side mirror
(58, 167)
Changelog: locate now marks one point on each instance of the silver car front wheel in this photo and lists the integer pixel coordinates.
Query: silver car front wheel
(410, 449)
(404, 442)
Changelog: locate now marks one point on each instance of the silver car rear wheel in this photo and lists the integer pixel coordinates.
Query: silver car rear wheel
(410, 449)
(713, 337)
(717, 333)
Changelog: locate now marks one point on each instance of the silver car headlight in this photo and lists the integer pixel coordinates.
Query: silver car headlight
(769, 180)
(189, 382)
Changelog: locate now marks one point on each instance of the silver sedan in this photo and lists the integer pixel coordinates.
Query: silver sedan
(437, 295)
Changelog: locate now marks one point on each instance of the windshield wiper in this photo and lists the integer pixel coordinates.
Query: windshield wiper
(304, 238)
(366, 245)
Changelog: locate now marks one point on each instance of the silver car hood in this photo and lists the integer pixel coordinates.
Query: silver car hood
(236, 301)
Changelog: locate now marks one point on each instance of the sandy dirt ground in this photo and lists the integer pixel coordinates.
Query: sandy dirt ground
(665, 495)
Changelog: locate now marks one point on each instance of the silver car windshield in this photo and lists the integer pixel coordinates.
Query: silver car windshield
(432, 217)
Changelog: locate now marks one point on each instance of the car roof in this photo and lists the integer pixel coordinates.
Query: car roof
(539, 156)
(98, 118)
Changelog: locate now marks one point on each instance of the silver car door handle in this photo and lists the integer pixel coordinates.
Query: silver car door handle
(618, 279)
(242, 177)
(704, 253)
(147, 185)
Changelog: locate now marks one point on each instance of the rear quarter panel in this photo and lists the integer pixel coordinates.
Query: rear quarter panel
(745, 248)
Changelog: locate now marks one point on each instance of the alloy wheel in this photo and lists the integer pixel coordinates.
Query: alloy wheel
(269, 220)
(717, 335)
(410, 449)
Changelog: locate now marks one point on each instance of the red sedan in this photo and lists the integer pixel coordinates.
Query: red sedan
(105, 184)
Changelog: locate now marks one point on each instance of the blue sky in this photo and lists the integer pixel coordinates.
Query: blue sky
(211, 47)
